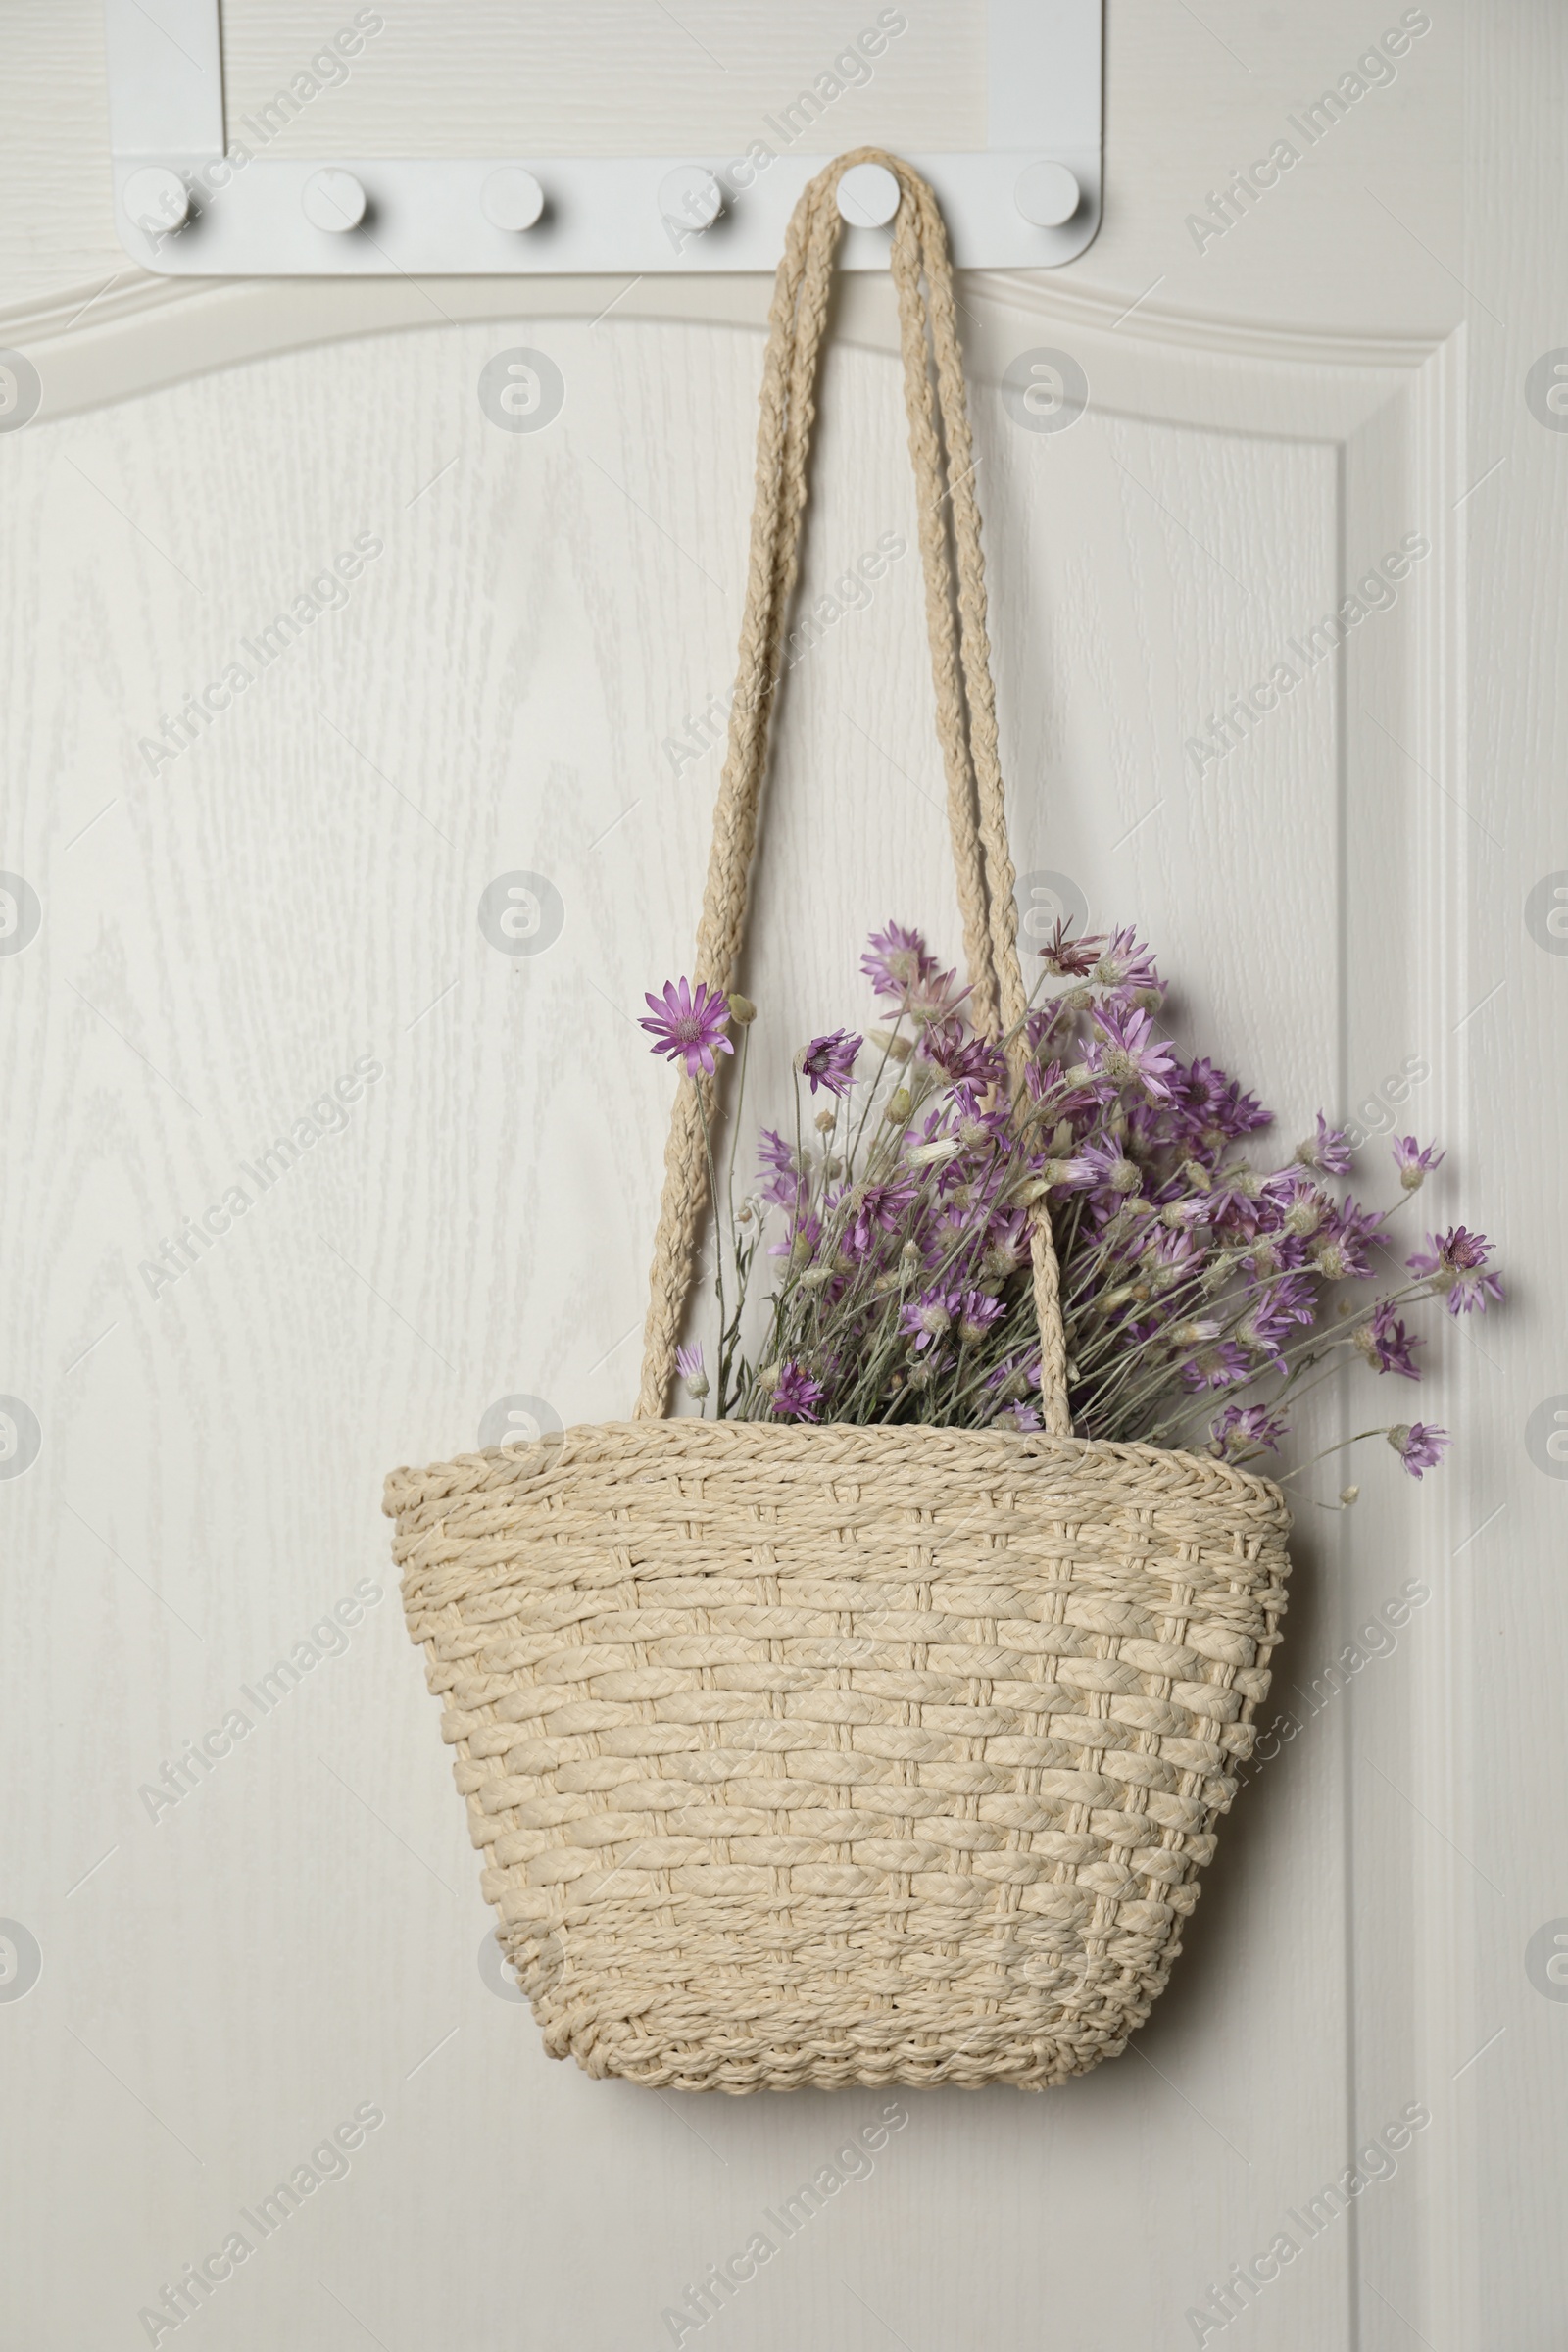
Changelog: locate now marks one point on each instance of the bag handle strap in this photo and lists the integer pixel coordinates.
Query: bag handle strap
(943, 456)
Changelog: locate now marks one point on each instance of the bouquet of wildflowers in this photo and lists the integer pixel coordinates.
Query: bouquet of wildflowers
(1201, 1295)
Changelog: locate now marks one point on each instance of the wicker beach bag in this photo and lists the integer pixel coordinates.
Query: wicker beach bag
(843, 1755)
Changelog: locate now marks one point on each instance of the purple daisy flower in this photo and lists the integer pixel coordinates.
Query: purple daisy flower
(1241, 1430)
(1217, 1367)
(1328, 1150)
(897, 962)
(1126, 962)
(878, 1209)
(1021, 1418)
(796, 1395)
(1273, 1310)
(689, 1024)
(1414, 1162)
(1109, 1168)
(782, 1181)
(1455, 1261)
(1386, 1345)
(1067, 959)
(830, 1062)
(929, 1318)
(977, 1311)
(1127, 1053)
(689, 1364)
(1418, 1445)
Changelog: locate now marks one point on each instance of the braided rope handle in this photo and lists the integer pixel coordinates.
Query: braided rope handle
(942, 450)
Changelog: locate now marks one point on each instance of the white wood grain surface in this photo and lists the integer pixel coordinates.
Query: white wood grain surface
(1339, 900)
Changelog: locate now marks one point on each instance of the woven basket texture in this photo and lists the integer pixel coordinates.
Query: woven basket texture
(842, 1755)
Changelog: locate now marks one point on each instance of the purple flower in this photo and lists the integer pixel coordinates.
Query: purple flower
(1008, 1244)
(1126, 962)
(783, 1181)
(1109, 1168)
(1019, 1417)
(1218, 1367)
(977, 1311)
(1241, 1430)
(1414, 1163)
(1328, 1150)
(1217, 1105)
(1455, 1260)
(897, 962)
(1418, 1445)
(970, 1062)
(689, 1364)
(830, 1062)
(1299, 1205)
(689, 1025)
(1386, 1345)
(1071, 958)
(878, 1209)
(1273, 1310)
(796, 1395)
(929, 1318)
(1126, 1053)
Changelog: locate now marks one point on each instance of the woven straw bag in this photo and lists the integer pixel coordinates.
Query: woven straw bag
(832, 1755)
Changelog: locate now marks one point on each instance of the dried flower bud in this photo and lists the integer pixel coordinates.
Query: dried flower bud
(1347, 1494)
(1197, 1176)
(896, 1049)
(816, 1278)
(742, 1011)
(697, 1386)
(900, 1105)
(825, 1122)
(769, 1378)
(928, 1156)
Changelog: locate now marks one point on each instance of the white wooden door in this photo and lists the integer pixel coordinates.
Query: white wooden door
(260, 923)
